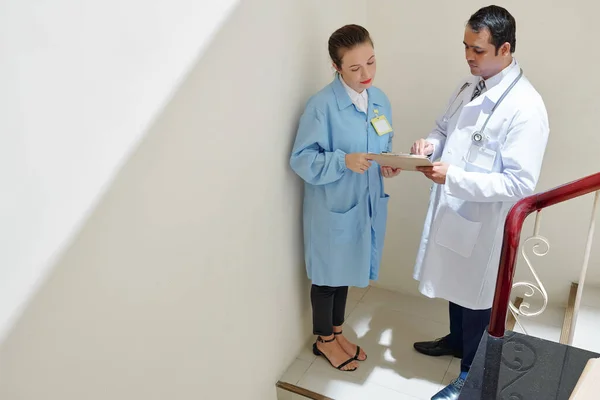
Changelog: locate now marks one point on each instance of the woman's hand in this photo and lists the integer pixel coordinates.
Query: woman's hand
(358, 162)
(389, 172)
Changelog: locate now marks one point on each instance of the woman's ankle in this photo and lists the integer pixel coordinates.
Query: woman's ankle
(326, 339)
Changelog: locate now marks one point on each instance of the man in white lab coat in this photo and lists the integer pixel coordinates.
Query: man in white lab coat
(490, 144)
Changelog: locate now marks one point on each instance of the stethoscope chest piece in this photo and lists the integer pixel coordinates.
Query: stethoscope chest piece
(477, 137)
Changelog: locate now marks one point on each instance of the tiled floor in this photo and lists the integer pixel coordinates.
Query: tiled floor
(588, 320)
(386, 324)
(547, 325)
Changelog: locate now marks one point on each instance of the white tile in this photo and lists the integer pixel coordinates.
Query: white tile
(590, 296)
(547, 325)
(350, 306)
(552, 315)
(587, 328)
(295, 371)
(386, 324)
(306, 354)
(419, 306)
(451, 374)
(547, 332)
(357, 294)
(387, 336)
(415, 380)
(347, 387)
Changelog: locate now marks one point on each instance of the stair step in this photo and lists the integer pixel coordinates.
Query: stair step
(527, 368)
(301, 391)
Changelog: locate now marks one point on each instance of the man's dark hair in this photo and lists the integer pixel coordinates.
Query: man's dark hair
(499, 22)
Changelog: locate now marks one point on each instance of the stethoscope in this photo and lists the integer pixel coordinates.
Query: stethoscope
(446, 116)
(477, 136)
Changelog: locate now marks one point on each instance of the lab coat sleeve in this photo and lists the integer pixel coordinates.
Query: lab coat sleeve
(522, 156)
(438, 138)
(311, 158)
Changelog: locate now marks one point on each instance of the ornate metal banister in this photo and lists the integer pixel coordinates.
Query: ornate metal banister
(512, 236)
(540, 247)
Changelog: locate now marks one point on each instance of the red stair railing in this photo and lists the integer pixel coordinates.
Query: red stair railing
(512, 236)
(506, 269)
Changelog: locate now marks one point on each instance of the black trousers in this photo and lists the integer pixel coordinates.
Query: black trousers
(466, 330)
(329, 308)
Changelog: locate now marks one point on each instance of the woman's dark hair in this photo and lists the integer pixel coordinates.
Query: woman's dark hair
(501, 24)
(346, 38)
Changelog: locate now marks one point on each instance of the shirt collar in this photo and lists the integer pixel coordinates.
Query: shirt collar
(498, 84)
(354, 95)
(496, 79)
(343, 98)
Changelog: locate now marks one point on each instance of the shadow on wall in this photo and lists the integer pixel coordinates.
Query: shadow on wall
(191, 265)
(48, 70)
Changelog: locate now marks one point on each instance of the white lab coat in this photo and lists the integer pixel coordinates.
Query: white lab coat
(462, 236)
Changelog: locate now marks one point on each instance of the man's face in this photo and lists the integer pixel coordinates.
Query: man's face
(481, 53)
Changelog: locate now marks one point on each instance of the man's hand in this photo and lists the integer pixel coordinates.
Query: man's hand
(358, 162)
(437, 173)
(389, 172)
(422, 148)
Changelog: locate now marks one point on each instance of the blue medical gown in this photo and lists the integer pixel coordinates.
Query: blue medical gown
(344, 212)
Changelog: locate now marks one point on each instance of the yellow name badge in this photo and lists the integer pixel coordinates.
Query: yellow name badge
(381, 124)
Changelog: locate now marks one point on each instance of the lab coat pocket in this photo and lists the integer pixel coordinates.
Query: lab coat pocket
(457, 233)
(348, 226)
(482, 158)
(472, 167)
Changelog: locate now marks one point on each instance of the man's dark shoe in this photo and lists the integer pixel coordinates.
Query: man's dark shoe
(450, 392)
(436, 348)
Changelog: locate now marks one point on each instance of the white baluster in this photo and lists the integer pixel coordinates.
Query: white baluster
(538, 241)
(586, 259)
(538, 286)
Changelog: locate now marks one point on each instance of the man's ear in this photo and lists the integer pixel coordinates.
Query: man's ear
(505, 49)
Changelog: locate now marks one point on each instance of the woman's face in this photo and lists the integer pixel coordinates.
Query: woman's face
(358, 66)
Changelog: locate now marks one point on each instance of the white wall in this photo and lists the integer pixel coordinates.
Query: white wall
(81, 81)
(421, 60)
(188, 274)
(187, 280)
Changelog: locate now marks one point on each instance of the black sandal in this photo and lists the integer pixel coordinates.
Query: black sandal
(357, 348)
(318, 352)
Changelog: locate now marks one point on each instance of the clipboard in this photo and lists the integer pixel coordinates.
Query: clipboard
(406, 162)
